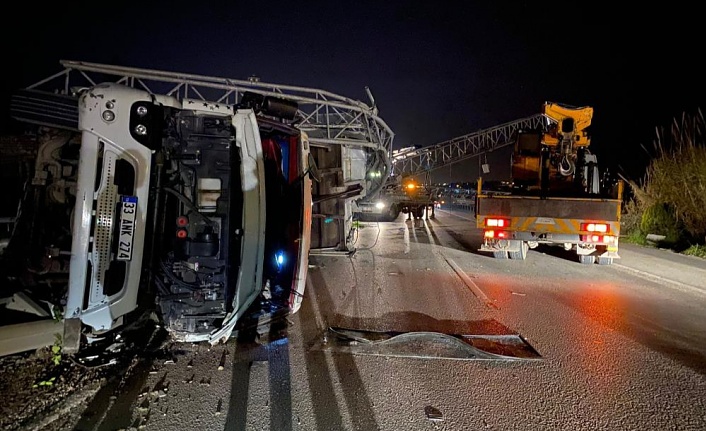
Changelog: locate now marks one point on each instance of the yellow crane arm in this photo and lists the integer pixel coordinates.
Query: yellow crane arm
(571, 125)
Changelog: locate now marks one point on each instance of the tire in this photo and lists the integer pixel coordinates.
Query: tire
(587, 259)
(520, 255)
(604, 260)
(391, 214)
(502, 254)
(419, 212)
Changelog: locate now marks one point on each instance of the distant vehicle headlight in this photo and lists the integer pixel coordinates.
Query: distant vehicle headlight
(380, 205)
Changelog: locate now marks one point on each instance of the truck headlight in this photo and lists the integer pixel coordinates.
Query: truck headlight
(141, 129)
(380, 205)
(108, 115)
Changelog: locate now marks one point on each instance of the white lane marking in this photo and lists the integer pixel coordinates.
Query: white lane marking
(653, 277)
(432, 240)
(471, 285)
(406, 239)
(318, 318)
(457, 215)
(414, 230)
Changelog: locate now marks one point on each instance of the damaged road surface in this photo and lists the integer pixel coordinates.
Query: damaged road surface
(427, 345)
(392, 338)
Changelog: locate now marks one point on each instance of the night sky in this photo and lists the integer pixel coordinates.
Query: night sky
(437, 69)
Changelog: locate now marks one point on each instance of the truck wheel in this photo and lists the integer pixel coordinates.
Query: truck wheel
(605, 260)
(419, 212)
(392, 213)
(520, 255)
(587, 259)
(500, 254)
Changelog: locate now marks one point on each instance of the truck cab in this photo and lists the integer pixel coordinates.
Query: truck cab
(203, 209)
(190, 200)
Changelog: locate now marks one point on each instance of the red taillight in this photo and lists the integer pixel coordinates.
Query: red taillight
(182, 221)
(497, 222)
(607, 239)
(181, 233)
(595, 227)
(496, 234)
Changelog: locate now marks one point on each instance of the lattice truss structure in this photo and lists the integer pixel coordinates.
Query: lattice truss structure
(432, 157)
(328, 118)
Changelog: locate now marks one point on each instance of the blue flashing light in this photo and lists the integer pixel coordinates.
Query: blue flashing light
(279, 259)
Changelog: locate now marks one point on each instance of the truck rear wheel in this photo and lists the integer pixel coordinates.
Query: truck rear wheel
(500, 254)
(604, 260)
(587, 259)
(392, 213)
(419, 212)
(522, 254)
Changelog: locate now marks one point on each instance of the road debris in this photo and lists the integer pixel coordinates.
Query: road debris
(222, 364)
(433, 414)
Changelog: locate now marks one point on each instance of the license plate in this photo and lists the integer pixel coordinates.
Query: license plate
(366, 209)
(128, 209)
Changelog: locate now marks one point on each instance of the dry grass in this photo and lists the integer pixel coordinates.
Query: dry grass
(676, 178)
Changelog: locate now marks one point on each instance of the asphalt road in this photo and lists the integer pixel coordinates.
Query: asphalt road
(620, 347)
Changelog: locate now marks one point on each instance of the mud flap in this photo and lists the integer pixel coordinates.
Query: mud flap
(429, 345)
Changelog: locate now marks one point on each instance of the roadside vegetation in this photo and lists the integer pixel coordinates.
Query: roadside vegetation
(667, 207)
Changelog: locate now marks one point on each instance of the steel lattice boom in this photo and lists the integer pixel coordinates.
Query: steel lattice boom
(327, 118)
(463, 147)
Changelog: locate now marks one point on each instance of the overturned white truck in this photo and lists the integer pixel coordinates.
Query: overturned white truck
(198, 197)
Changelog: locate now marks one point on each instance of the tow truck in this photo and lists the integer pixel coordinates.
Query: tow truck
(558, 197)
(401, 195)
